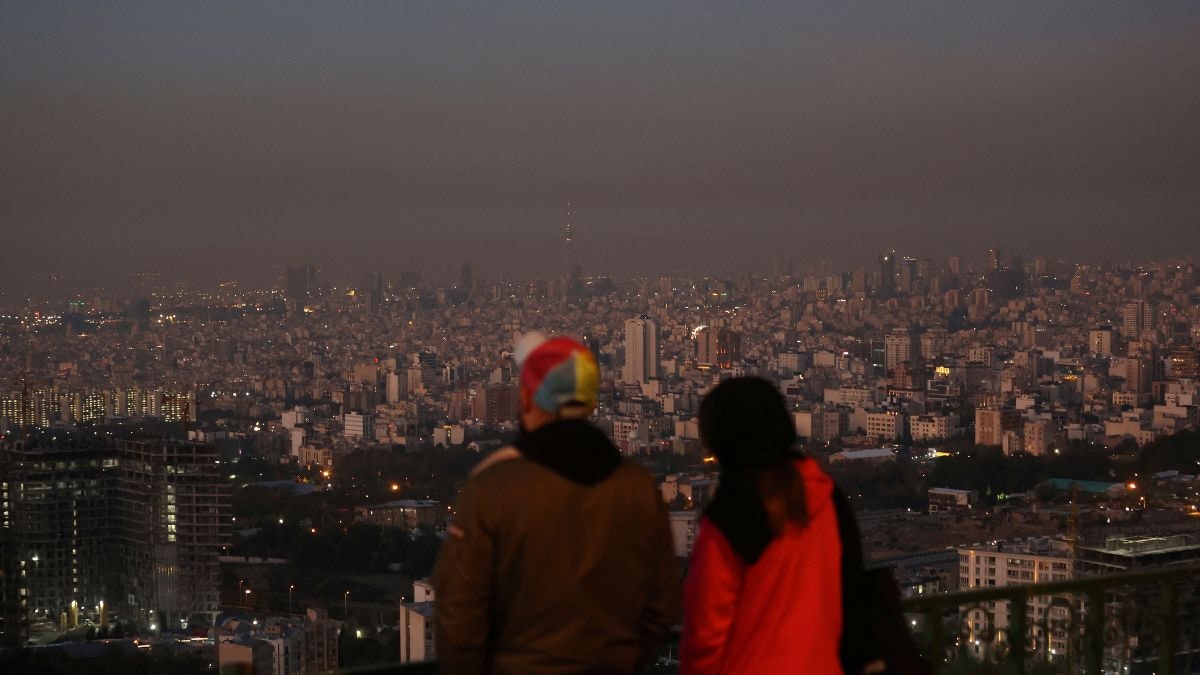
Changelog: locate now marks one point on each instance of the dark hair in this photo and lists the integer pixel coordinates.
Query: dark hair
(744, 421)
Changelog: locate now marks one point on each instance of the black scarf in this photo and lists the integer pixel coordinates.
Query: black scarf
(573, 449)
(737, 507)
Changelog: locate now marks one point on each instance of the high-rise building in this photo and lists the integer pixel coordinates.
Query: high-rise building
(502, 403)
(170, 503)
(371, 290)
(1184, 363)
(641, 350)
(414, 379)
(934, 343)
(392, 386)
(1001, 563)
(1139, 373)
(906, 274)
(1100, 342)
(134, 527)
(1136, 316)
(887, 275)
(61, 526)
(1135, 610)
(301, 282)
(1037, 435)
(900, 346)
(875, 351)
(858, 282)
(14, 625)
(466, 278)
(359, 425)
(571, 287)
(991, 424)
(717, 347)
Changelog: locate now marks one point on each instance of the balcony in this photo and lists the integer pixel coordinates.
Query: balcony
(1131, 623)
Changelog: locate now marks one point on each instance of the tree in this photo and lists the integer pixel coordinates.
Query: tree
(1127, 446)
(418, 563)
(1179, 452)
(1079, 461)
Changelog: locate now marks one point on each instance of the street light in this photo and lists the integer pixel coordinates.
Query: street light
(346, 605)
(290, 589)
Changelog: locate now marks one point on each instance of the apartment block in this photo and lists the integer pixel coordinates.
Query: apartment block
(1015, 563)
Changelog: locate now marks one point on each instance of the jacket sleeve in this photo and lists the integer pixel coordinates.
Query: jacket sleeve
(662, 609)
(710, 595)
(463, 582)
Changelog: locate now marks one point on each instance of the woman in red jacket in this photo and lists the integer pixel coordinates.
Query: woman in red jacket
(767, 588)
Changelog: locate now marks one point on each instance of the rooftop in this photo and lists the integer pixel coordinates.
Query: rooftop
(1132, 546)
(408, 504)
(1089, 486)
(872, 453)
(425, 608)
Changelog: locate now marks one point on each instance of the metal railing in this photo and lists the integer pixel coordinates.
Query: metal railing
(1130, 623)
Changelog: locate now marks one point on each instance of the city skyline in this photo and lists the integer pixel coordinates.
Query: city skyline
(200, 141)
(952, 402)
(51, 287)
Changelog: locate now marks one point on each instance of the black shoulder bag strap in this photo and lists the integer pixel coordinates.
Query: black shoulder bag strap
(874, 630)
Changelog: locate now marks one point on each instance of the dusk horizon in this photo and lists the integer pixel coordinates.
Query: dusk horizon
(214, 141)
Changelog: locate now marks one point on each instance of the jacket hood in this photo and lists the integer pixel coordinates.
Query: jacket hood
(573, 449)
(818, 488)
(737, 509)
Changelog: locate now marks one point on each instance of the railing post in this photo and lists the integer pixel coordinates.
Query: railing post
(1166, 642)
(1094, 633)
(1088, 625)
(1016, 633)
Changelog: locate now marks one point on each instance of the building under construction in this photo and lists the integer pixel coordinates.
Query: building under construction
(106, 528)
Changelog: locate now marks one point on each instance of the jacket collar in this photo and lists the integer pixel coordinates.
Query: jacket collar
(573, 449)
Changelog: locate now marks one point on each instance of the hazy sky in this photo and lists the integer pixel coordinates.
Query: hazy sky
(234, 138)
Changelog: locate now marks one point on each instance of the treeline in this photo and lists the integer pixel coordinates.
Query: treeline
(356, 548)
(366, 476)
(992, 473)
(987, 470)
(1179, 452)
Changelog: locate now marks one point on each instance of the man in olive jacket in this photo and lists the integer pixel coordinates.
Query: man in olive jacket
(559, 559)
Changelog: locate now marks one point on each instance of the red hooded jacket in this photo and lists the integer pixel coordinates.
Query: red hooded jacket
(783, 614)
